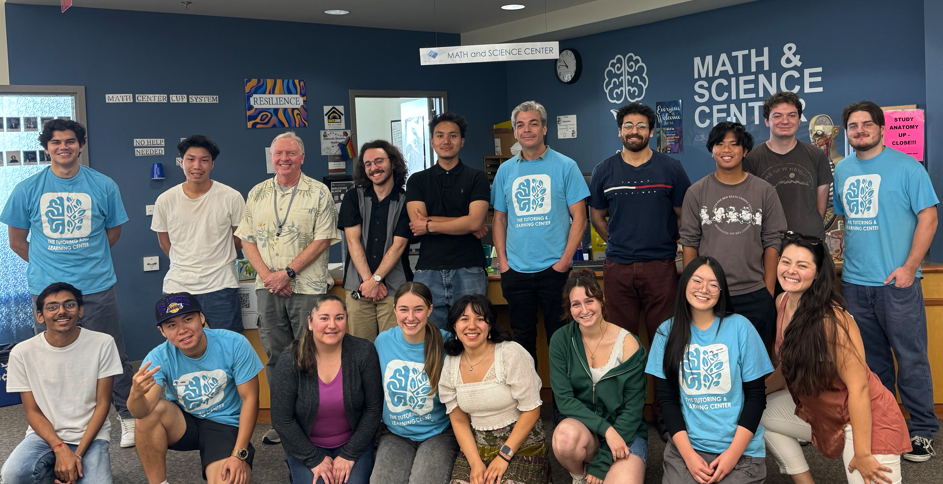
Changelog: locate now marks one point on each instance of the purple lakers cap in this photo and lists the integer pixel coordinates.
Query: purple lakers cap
(176, 304)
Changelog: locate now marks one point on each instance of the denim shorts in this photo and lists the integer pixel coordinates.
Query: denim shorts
(638, 447)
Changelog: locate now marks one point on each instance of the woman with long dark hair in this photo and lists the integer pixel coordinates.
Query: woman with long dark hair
(598, 379)
(492, 392)
(712, 408)
(416, 442)
(822, 389)
(326, 400)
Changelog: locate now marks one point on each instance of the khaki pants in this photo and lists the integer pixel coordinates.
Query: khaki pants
(366, 319)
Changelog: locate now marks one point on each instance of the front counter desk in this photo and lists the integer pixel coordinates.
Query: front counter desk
(932, 294)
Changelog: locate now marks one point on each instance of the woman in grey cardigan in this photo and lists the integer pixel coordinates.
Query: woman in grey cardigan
(327, 399)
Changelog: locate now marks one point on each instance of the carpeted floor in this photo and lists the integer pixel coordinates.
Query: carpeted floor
(270, 467)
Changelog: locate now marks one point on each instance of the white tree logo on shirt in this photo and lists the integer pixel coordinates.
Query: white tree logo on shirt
(706, 369)
(532, 194)
(861, 196)
(407, 387)
(66, 215)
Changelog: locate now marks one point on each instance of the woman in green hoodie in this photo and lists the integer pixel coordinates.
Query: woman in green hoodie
(597, 371)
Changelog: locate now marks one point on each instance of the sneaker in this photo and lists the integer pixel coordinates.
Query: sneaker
(922, 449)
(127, 432)
(271, 437)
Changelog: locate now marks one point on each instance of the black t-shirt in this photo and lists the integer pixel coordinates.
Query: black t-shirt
(350, 216)
(449, 194)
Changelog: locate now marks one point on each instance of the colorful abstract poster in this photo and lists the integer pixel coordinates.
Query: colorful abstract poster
(668, 134)
(276, 103)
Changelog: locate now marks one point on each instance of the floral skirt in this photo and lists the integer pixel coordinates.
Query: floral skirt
(530, 464)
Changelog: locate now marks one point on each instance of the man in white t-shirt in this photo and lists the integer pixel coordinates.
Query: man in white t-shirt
(65, 376)
(195, 221)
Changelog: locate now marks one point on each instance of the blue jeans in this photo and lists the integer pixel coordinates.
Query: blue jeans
(221, 309)
(890, 317)
(34, 462)
(359, 474)
(449, 285)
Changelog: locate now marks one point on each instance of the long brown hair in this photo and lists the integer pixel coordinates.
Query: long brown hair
(432, 344)
(397, 164)
(304, 350)
(808, 354)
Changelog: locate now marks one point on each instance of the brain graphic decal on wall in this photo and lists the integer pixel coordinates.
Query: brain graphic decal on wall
(625, 79)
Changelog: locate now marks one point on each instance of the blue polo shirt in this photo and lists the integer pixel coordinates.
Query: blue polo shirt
(537, 195)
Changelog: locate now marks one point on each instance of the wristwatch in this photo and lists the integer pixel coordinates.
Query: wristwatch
(290, 272)
(376, 277)
(507, 451)
(241, 454)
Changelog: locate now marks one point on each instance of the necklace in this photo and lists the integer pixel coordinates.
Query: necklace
(471, 366)
(592, 354)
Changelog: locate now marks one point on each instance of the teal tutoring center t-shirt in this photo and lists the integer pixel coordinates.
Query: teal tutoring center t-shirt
(880, 198)
(408, 409)
(537, 195)
(67, 218)
(717, 363)
(205, 387)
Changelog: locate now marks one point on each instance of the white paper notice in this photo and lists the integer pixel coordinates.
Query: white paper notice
(566, 126)
(148, 142)
(333, 117)
(148, 152)
(178, 98)
(269, 168)
(497, 147)
(150, 98)
(330, 138)
(119, 98)
(204, 99)
(337, 165)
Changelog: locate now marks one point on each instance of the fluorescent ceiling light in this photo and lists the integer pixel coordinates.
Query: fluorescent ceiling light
(512, 6)
(336, 12)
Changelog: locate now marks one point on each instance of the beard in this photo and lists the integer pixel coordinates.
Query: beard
(389, 173)
(864, 145)
(635, 144)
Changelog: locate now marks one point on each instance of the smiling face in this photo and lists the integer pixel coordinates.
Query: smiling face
(728, 153)
(412, 315)
(287, 158)
(377, 165)
(472, 328)
(585, 309)
(197, 164)
(185, 331)
(528, 130)
(698, 291)
(863, 133)
(796, 270)
(447, 140)
(783, 120)
(63, 149)
(328, 323)
(60, 312)
(635, 139)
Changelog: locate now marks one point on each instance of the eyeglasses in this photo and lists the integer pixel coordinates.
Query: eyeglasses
(378, 161)
(711, 288)
(630, 126)
(793, 236)
(69, 305)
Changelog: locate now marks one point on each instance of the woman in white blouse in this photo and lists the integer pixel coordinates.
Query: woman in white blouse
(488, 383)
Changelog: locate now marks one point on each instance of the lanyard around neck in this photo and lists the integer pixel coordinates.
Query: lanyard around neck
(280, 222)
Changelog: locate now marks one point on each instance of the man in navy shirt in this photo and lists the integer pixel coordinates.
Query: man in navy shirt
(641, 192)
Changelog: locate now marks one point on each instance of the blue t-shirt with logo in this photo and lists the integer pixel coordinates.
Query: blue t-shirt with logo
(67, 218)
(408, 409)
(641, 200)
(205, 387)
(537, 195)
(880, 198)
(717, 363)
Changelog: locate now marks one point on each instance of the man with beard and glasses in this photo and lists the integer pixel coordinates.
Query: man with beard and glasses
(890, 210)
(641, 192)
(447, 205)
(798, 171)
(374, 219)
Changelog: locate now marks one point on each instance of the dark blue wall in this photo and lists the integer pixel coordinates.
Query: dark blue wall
(110, 51)
(933, 12)
(859, 58)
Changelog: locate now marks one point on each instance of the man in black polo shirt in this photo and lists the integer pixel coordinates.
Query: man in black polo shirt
(373, 218)
(447, 207)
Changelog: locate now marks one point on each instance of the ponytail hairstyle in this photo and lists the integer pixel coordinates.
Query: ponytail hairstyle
(586, 279)
(481, 306)
(432, 350)
(679, 336)
(303, 349)
(808, 354)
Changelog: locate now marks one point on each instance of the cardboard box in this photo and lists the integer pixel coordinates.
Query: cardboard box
(503, 141)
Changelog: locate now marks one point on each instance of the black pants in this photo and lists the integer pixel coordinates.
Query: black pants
(760, 308)
(524, 292)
